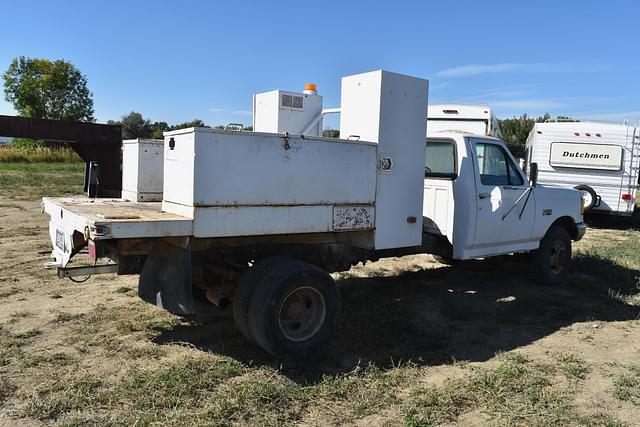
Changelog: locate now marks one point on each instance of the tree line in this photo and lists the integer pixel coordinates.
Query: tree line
(516, 130)
(42, 88)
(134, 125)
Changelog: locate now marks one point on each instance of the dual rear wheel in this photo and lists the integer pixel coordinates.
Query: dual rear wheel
(286, 306)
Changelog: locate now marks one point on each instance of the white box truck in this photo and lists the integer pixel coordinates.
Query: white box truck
(262, 218)
(601, 160)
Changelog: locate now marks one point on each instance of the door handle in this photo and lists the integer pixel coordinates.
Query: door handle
(484, 195)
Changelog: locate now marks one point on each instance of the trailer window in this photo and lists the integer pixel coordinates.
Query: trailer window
(495, 167)
(440, 160)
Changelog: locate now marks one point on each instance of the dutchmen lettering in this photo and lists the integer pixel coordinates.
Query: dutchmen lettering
(586, 155)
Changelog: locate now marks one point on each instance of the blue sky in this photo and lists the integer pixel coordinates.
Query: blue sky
(175, 61)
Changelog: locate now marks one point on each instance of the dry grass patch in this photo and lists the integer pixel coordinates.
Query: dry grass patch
(62, 393)
(11, 154)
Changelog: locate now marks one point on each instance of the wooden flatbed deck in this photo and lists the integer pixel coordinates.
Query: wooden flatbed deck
(116, 218)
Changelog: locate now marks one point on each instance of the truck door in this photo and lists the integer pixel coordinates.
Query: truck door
(505, 216)
(440, 171)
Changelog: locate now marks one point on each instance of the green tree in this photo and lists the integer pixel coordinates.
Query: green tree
(134, 126)
(516, 130)
(47, 89)
(158, 128)
(195, 123)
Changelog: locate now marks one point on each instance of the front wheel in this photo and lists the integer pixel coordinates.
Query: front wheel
(294, 310)
(551, 262)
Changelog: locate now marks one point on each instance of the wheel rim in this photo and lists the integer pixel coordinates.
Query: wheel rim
(558, 258)
(302, 314)
(586, 196)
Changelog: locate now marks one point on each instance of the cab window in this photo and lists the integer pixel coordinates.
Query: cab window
(440, 159)
(495, 166)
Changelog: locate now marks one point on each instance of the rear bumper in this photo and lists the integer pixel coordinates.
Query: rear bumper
(581, 228)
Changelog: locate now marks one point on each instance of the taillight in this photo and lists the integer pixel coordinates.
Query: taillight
(627, 197)
(581, 205)
(92, 250)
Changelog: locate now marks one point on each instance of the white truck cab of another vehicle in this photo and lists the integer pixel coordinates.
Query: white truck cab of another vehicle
(477, 198)
(474, 118)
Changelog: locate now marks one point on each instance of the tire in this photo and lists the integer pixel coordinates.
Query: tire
(246, 288)
(551, 262)
(294, 310)
(588, 195)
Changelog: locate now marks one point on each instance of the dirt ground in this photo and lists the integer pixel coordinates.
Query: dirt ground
(66, 345)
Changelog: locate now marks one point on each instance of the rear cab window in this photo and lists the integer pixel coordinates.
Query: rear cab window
(440, 159)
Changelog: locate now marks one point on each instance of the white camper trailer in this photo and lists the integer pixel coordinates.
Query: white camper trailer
(599, 159)
(477, 119)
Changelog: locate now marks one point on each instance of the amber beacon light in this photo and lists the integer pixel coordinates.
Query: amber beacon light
(311, 89)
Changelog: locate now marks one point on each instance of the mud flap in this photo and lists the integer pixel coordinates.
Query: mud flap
(165, 280)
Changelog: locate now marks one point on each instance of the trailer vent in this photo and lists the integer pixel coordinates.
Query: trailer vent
(291, 101)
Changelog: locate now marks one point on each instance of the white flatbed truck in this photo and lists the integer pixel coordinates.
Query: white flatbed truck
(263, 218)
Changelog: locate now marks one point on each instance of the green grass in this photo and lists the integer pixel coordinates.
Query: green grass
(611, 269)
(572, 366)
(213, 391)
(67, 393)
(34, 180)
(627, 386)
(517, 392)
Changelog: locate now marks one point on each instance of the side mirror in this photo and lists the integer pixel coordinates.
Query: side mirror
(533, 174)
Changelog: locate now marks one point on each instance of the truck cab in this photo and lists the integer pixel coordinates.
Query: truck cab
(480, 203)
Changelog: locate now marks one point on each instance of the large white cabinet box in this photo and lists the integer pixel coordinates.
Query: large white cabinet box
(249, 183)
(142, 169)
(391, 109)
